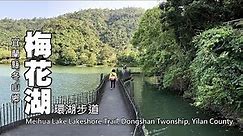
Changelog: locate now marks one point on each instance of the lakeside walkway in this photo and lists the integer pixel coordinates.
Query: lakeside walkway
(111, 106)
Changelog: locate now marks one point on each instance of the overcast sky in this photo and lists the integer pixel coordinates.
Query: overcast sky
(30, 9)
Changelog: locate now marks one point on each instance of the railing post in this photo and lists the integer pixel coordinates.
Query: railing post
(3, 114)
(7, 112)
(0, 117)
(87, 97)
(101, 77)
(19, 114)
(64, 99)
(16, 112)
(81, 98)
(61, 99)
(21, 106)
(77, 96)
(10, 107)
(74, 99)
(132, 89)
(71, 98)
(68, 99)
(58, 99)
(52, 105)
(92, 96)
(95, 95)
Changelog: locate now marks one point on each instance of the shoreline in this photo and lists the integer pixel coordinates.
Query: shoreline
(238, 122)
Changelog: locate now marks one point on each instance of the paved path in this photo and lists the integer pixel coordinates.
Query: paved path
(112, 106)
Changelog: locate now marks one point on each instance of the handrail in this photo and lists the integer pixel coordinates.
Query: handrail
(90, 97)
(138, 130)
(131, 103)
(13, 114)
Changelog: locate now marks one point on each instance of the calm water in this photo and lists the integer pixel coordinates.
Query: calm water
(66, 80)
(154, 103)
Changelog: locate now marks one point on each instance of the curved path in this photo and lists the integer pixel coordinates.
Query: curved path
(112, 106)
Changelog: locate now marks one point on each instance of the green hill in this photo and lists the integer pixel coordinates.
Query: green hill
(86, 37)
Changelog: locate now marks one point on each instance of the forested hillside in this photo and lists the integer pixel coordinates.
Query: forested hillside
(195, 47)
(87, 37)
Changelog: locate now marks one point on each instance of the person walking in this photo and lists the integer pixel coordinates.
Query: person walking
(126, 75)
(113, 78)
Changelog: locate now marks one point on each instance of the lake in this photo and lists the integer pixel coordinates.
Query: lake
(156, 103)
(66, 80)
(151, 102)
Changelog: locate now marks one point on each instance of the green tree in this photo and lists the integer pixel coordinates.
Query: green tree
(159, 53)
(68, 56)
(85, 31)
(217, 69)
(107, 56)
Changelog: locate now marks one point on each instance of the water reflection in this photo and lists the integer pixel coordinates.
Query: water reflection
(66, 80)
(154, 103)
